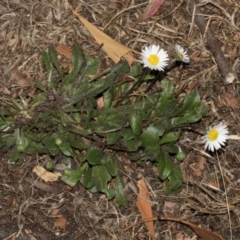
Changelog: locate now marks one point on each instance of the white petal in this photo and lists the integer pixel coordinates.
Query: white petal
(221, 139)
(182, 54)
(160, 53)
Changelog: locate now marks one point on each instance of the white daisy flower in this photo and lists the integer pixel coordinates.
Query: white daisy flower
(215, 137)
(154, 57)
(182, 54)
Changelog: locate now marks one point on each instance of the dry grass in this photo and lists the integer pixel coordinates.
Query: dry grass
(29, 27)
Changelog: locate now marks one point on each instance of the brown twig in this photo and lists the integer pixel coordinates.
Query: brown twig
(40, 185)
(213, 44)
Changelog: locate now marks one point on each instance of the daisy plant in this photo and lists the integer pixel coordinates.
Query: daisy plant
(181, 54)
(65, 120)
(216, 137)
(154, 58)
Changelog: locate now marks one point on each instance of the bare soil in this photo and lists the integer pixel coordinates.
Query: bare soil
(211, 190)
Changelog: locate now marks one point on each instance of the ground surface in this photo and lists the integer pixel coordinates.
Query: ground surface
(26, 212)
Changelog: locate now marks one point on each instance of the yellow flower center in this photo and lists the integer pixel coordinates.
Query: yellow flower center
(153, 59)
(180, 54)
(213, 135)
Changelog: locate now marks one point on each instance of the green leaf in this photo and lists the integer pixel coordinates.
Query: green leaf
(72, 178)
(107, 125)
(15, 102)
(67, 161)
(38, 100)
(3, 124)
(2, 144)
(164, 166)
(174, 182)
(119, 70)
(123, 88)
(135, 121)
(105, 159)
(173, 148)
(152, 151)
(75, 141)
(80, 157)
(93, 189)
(127, 134)
(35, 147)
(151, 135)
(66, 149)
(40, 86)
(141, 162)
(14, 156)
(77, 60)
(77, 117)
(65, 118)
(94, 63)
(54, 59)
(120, 196)
(46, 61)
(87, 91)
(101, 178)
(80, 132)
(112, 168)
(94, 156)
(136, 69)
(149, 77)
(169, 137)
(177, 172)
(88, 179)
(190, 117)
(95, 88)
(53, 149)
(190, 103)
(114, 121)
(173, 185)
(166, 94)
(113, 137)
(133, 144)
(108, 96)
(9, 141)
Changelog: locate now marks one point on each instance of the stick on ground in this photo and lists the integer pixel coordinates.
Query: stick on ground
(214, 45)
